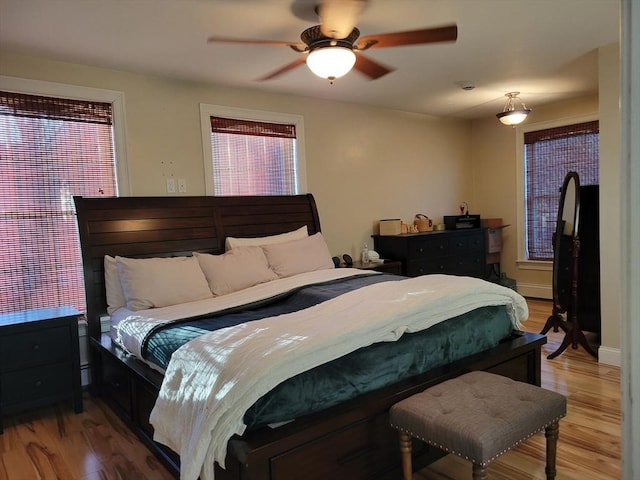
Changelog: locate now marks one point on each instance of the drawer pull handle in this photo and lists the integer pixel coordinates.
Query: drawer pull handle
(35, 347)
(420, 250)
(37, 383)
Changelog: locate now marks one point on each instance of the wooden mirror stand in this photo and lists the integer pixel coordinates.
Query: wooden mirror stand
(566, 254)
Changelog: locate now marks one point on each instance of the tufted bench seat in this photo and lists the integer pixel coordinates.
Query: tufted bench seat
(478, 416)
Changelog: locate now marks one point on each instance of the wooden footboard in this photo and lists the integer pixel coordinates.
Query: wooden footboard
(352, 440)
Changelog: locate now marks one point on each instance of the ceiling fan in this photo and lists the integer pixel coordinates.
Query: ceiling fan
(332, 48)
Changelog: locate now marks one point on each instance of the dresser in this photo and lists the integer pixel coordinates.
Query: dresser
(39, 359)
(457, 252)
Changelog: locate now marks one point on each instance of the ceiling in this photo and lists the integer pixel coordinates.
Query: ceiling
(545, 49)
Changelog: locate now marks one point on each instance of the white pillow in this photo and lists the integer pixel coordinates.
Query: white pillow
(234, 242)
(299, 256)
(159, 282)
(240, 268)
(112, 286)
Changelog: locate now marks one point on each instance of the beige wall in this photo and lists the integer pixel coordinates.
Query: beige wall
(494, 168)
(363, 163)
(610, 175)
(495, 171)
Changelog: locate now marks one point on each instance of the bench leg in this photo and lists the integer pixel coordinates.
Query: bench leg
(551, 434)
(479, 472)
(405, 449)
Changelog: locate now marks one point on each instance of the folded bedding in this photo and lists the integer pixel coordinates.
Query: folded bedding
(348, 376)
(160, 344)
(336, 340)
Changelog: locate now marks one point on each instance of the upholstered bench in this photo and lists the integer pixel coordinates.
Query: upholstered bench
(478, 416)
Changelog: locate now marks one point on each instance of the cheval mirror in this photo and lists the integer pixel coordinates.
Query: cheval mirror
(566, 254)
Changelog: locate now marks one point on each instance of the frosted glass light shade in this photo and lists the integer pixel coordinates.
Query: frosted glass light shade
(331, 62)
(513, 117)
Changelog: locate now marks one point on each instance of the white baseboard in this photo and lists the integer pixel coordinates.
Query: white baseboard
(610, 356)
(533, 290)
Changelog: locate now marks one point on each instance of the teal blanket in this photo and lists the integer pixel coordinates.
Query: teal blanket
(381, 364)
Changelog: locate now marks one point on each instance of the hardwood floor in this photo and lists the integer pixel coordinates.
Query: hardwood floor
(589, 445)
(55, 443)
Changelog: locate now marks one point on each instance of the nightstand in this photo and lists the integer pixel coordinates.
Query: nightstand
(393, 267)
(39, 359)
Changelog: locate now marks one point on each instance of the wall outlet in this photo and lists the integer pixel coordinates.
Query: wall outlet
(182, 185)
(171, 185)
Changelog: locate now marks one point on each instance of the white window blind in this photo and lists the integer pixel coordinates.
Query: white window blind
(252, 157)
(548, 155)
(50, 150)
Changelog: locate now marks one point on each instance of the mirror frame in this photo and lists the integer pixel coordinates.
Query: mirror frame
(563, 255)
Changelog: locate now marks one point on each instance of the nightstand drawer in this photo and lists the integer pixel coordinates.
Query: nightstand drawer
(36, 383)
(33, 348)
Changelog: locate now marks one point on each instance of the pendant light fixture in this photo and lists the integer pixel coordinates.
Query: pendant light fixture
(515, 111)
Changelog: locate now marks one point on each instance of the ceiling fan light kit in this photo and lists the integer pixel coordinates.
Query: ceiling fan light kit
(514, 112)
(330, 48)
(331, 62)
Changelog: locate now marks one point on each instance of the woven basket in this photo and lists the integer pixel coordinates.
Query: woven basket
(423, 223)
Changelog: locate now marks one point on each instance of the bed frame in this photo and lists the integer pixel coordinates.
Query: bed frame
(351, 440)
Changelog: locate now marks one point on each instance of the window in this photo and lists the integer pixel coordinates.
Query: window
(548, 155)
(50, 150)
(252, 153)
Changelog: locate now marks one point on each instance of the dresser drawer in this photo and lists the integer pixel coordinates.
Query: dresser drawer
(116, 385)
(42, 382)
(454, 252)
(34, 348)
(472, 265)
(427, 247)
(432, 265)
(372, 446)
(467, 242)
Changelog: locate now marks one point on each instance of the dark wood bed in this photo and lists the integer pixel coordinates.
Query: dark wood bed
(351, 440)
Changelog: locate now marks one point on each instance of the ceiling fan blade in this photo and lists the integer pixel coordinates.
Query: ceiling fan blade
(339, 17)
(275, 43)
(370, 68)
(448, 33)
(290, 66)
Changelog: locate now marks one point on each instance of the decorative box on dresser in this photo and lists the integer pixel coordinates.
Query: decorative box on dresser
(457, 252)
(39, 359)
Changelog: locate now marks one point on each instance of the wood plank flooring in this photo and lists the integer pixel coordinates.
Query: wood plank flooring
(55, 443)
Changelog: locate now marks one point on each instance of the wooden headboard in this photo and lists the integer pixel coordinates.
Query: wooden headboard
(172, 226)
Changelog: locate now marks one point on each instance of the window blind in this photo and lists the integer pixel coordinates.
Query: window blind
(549, 155)
(50, 150)
(253, 158)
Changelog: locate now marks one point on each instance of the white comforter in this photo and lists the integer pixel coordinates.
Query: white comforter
(211, 381)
